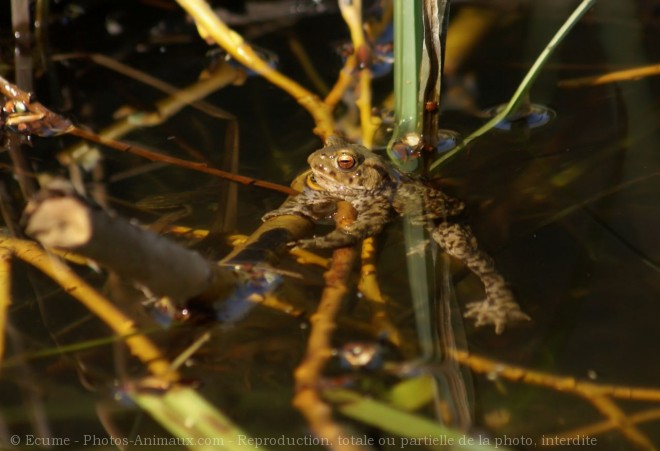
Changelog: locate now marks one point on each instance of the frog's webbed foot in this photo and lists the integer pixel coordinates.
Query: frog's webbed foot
(336, 238)
(499, 308)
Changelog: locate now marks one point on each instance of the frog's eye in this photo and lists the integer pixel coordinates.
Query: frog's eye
(345, 161)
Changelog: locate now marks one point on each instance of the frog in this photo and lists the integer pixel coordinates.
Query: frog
(379, 192)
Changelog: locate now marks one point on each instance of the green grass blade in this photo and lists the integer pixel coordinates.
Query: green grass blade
(412, 429)
(192, 420)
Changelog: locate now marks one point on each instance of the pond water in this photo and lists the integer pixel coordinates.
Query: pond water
(569, 211)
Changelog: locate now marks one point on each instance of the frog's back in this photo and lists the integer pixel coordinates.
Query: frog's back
(422, 202)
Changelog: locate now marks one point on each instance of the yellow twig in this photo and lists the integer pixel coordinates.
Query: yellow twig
(210, 25)
(368, 122)
(319, 347)
(607, 425)
(352, 14)
(298, 49)
(70, 282)
(343, 82)
(561, 383)
(597, 394)
(618, 419)
(5, 294)
(466, 30)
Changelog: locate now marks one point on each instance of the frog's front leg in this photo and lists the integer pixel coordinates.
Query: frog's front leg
(311, 204)
(499, 308)
(372, 215)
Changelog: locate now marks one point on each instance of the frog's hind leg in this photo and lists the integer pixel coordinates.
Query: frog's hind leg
(499, 308)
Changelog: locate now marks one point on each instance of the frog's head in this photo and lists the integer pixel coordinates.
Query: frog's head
(342, 166)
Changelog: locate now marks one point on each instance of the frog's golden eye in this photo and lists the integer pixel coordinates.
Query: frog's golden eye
(345, 161)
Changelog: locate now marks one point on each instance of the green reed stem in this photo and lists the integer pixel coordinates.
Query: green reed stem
(408, 35)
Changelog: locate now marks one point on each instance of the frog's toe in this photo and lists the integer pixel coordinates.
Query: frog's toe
(499, 315)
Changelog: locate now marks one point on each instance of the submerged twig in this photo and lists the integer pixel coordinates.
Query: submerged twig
(616, 416)
(298, 49)
(607, 425)
(319, 347)
(70, 282)
(369, 287)
(562, 383)
(597, 394)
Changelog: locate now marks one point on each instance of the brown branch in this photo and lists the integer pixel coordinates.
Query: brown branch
(200, 167)
(43, 122)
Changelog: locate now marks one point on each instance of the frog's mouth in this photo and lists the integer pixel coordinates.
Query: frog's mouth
(320, 178)
(312, 183)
